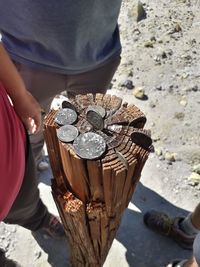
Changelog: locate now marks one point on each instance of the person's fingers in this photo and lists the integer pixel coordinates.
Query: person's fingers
(27, 124)
(31, 126)
(37, 121)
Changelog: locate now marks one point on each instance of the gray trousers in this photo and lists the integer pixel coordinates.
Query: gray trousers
(44, 85)
(196, 249)
(28, 210)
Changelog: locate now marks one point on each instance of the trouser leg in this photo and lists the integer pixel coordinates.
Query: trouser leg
(196, 249)
(196, 217)
(94, 81)
(28, 210)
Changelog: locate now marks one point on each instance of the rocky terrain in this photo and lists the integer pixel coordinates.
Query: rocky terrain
(159, 73)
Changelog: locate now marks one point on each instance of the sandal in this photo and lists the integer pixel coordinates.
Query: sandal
(163, 224)
(176, 263)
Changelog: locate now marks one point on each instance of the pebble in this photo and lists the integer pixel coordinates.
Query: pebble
(179, 115)
(194, 88)
(169, 156)
(194, 179)
(184, 101)
(137, 12)
(185, 75)
(158, 151)
(159, 88)
(128, 84)
(196, 168)
(149, 44)
(177, 27)
(139, 92)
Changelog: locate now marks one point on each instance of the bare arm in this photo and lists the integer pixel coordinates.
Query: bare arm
(24, 103)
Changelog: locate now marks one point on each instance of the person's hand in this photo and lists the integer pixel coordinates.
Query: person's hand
(29, 111)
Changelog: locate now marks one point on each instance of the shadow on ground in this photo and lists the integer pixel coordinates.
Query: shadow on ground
(57, 250)
(144, 247)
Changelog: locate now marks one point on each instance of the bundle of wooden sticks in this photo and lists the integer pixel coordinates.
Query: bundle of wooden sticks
(97, 149)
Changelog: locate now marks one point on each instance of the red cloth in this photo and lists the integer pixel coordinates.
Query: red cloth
(12, 154)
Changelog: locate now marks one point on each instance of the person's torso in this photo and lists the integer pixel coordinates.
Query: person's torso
(12, 148)
(68, 36)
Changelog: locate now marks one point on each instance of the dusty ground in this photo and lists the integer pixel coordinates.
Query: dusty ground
(161, 57)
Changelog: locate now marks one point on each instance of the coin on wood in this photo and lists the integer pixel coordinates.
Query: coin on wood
(97, 109)
(65, 116)
(67, 133)
(95, 119)
(89, 145)
(138, 122)
(141, 139)
(68, 104)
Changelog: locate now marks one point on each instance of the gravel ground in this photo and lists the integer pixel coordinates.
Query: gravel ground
(160, 74)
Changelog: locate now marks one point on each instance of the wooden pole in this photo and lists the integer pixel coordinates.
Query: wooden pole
(92, 194)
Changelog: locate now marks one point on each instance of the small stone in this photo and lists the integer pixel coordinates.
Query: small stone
(183, 101)
(169, 52)
(160, 41)
(158, 151)
(177, 27)
(130, 74)
(179, 115)
(129, 84)
(140, 12)
(185, 75)
(139, 93)
(162, 55)
(194, 179)
(169, 156)
(196, 168)
(137, 12)
(159, 88)
(195, 88)
(153, 39)
(149, 44)
(157, 59)
(161, 157)
(156, 138)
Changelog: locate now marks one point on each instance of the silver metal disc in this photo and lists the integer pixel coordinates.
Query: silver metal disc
(97, 109)
(89, 145)
(67, 133)
(65, 116)
(95, 119)
(141, 139)
(68, 104)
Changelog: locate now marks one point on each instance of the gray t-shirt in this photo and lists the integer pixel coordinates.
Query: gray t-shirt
(65, 36)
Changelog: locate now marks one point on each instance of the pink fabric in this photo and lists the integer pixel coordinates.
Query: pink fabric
(12, 154)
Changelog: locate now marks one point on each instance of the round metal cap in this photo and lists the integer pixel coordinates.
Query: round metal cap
(68, 104)
(65, 116)
(141, 139)
(95, 119)
(89, 145)
(97, 109)
(67, 133)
